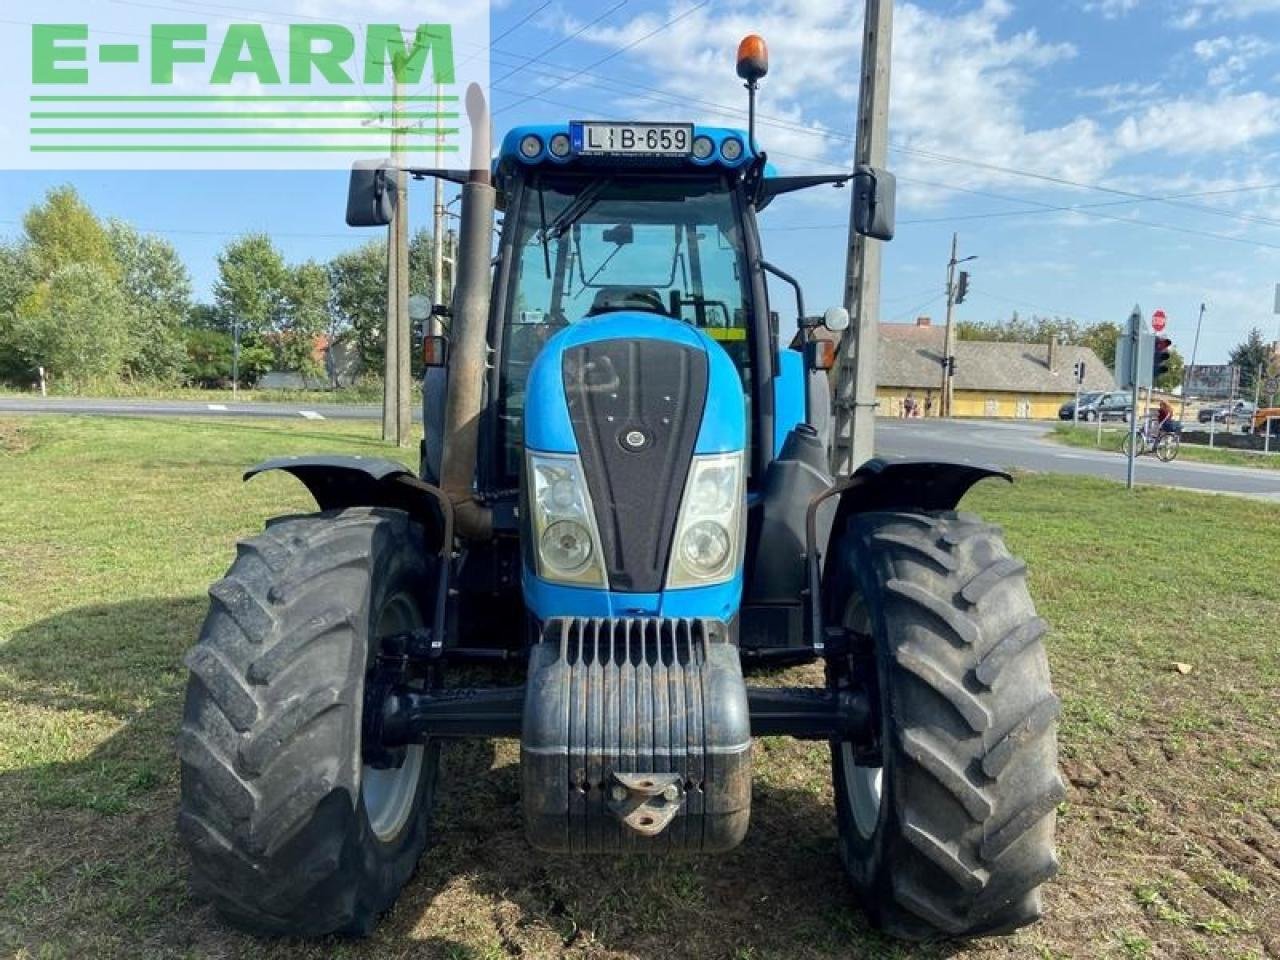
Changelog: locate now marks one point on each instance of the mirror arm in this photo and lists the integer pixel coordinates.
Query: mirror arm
(787, 278)
(452, 176)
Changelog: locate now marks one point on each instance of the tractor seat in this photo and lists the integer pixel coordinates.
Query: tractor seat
(613, 299)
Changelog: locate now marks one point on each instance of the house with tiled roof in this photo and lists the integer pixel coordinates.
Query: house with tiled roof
(1011, 380)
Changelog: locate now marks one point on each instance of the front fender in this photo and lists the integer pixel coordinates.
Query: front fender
(912, 485)
(339, 482)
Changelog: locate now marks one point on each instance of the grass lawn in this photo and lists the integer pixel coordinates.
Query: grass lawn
(1113, 438)
(118, 389)
(111, 530)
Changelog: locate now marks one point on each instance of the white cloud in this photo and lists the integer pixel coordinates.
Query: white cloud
(1197, 12)
(1184, 126)
(1229, 58)
(1111, 9)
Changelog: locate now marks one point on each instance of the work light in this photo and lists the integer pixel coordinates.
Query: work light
(530, 146)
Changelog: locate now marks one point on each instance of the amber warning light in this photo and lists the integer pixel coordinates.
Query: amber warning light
(753, 58)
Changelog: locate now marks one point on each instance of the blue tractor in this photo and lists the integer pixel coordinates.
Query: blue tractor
(625, 494)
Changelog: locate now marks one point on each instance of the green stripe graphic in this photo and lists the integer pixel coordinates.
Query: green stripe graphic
(230, 115)
(230, 148)
(235, 131)
(389, 98)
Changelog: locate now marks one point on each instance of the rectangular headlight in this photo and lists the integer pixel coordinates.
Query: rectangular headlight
(708, 534)
(566, 541)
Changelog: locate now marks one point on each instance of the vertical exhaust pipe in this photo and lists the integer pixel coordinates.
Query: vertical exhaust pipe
(469, 349)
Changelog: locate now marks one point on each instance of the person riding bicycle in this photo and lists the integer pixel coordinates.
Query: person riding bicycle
(1163, 415)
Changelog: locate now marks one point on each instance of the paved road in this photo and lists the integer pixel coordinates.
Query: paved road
(188, 408)
(1024, 446)
(1002, 443)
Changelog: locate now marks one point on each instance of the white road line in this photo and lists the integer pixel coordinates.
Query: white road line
(310, 414)
(219, 407)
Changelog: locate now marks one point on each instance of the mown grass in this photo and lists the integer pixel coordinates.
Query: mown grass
(111, 529)
(367, 391)
(1112, 441)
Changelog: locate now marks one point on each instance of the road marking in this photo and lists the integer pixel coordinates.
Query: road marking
(220, 408)
(310, 414)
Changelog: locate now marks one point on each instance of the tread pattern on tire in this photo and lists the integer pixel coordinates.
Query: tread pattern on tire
(968, 836)
(270, 808)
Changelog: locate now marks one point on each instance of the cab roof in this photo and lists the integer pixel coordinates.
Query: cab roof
(566, 146)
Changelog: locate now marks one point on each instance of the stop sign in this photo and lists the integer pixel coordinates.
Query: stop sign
(1158, 320)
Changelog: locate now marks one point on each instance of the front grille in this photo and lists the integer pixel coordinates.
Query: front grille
(618, 392)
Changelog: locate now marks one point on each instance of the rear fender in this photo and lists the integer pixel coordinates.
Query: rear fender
(915, 486)
(338, 482)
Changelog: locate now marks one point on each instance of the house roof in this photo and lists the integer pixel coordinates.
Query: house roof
(911, 356)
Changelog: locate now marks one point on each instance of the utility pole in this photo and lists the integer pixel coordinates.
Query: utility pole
(855, 397)
(1195, 348)
(396, 422)
(948, 341)
(437, 243)
(955, 295)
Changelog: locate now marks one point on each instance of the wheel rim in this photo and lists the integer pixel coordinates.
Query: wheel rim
(389, 794)
(863, 785)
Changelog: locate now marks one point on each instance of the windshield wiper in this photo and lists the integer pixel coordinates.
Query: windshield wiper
(575, 211)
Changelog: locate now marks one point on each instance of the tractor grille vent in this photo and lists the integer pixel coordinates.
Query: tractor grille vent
(633, 640)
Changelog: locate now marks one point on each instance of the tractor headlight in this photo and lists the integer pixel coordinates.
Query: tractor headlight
(564, 524)
(530, 146)
(707, 537)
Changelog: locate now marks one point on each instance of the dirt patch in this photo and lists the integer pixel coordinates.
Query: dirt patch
(14, 438)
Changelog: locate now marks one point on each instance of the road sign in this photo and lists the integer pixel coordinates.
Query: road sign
(1211, 381)
(1158, 321)
(1126, 363)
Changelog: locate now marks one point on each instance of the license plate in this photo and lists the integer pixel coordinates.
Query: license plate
(592, 139)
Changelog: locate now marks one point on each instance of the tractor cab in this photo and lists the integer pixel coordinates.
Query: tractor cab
(625, 220)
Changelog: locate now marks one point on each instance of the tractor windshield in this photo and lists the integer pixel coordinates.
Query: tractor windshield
(589, 246)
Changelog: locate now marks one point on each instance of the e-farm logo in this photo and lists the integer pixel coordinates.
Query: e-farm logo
(265, 93)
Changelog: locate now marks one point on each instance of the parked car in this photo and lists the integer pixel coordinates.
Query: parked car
(1242, 411)
(1088, 403)
(1115, 406)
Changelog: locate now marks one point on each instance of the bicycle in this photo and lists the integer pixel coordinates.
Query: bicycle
(1163, 441)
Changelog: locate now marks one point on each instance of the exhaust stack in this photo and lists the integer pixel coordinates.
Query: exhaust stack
(470, 348)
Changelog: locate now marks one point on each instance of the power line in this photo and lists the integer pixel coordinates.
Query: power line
(616, 53)
(568, 38)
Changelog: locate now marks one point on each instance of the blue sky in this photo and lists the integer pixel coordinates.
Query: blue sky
(1001, 111)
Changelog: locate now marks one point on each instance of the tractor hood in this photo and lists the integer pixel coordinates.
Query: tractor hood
(635, 397)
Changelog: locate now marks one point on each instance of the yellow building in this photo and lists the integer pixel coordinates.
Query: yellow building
(1026, 381)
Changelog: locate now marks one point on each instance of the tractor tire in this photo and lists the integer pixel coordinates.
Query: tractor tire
(288, 831)
(946, 825)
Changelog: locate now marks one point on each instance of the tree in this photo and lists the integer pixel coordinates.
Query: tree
(75, 324)
(1099, 337)
(304, 319)
(1251, 356)
(209, 359)
(62, 231)
(1173, 376)
(16, 282)
(158, 288)
(358, 298)
(250, 289)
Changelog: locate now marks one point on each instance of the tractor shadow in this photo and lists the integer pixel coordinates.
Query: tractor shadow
(90, 862)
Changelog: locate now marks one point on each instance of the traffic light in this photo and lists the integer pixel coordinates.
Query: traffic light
(1160, 358)
(951, 366)
(962, 287)
(1079, 371)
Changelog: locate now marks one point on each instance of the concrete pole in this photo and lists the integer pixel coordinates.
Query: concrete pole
(390, 336)
(437, 242)
(855, 397)
(1195, 348)
(948, 341)
(396, 422)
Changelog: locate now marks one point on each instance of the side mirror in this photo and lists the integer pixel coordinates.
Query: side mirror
(874, 199)
(371, 196)
(836, 319)
(620, 235)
